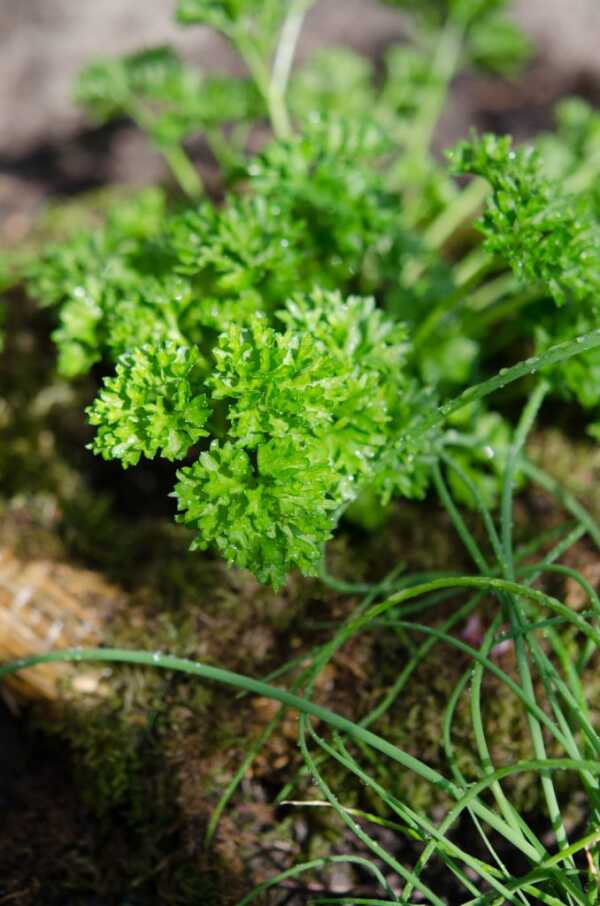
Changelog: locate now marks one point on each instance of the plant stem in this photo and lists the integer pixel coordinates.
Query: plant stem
(278, 115)
(179, 163)
(508, 307)
(451, 218)
(183, 170)
(473, 266)
(525, 425)
(465, 206)
(468, 275)
(443, 66)
(514, 608)
(559, 353)
(286, 47)
(492, 290)
(239, 681)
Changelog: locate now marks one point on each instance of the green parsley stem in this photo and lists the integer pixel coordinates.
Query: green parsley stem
(183, 170)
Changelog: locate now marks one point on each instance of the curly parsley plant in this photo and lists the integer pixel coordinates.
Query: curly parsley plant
(286, 343)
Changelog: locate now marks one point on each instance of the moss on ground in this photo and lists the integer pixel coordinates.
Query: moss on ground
(157, 752)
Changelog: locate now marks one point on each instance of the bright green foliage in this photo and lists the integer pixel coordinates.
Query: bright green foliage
(492, 40)
(150, 276)
(242, 258)
(479, 441)
(327, 179)
(576, 138)
(383, 404)
(410, 77)
(252, 26)
(64, 266)
(219, 14)
(271, 517)
(289, 334)
(496, 44)
(572, 152)
(549, 235)
(336, 80)
(438, 11)
(153, 405)
(545, 235)
(169, 99)
(450, 360)
(571, 158)
(578, 379)
(309, 413)
(114, 288)
(295, 383)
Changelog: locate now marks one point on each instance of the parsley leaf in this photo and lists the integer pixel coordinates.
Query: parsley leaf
(544, 235)
(153, 405)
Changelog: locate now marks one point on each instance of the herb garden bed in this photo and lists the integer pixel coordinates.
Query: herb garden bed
(368, 375)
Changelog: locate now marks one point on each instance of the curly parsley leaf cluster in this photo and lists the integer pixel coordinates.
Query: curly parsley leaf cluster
(154, 405)
(545, 235)
(309, 410)
(549, 233)
(168, 98)
(269, 517)
(318, 209)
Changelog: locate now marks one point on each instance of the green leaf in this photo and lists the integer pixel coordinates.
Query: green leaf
(480, 442)
(409, 78)
(450, 359)
(243, 258)
(77, 337)
(219, 14)
(153, 405)
(546, 236)
(328, 178)
(252, 25)
(577, 378)
(309, 413)
(499, 45)
(270, 516)
(572, 152)
(460, 12)
(167, 98)
(335, 79)
(333, 374)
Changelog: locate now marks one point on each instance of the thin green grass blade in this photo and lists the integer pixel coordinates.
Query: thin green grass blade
(303, 706)
(559, 353)
(314, 864)
(570, 503)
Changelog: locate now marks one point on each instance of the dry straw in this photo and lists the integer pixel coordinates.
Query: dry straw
(47, 605)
